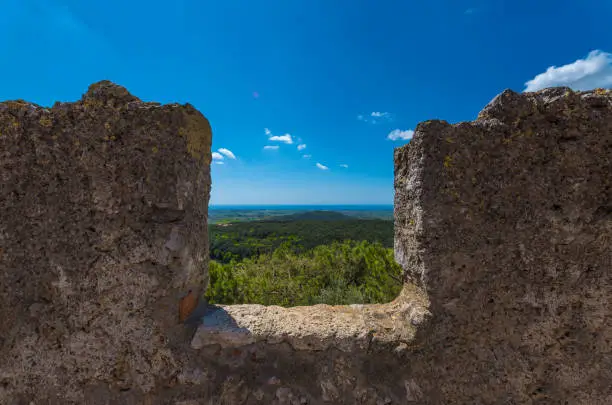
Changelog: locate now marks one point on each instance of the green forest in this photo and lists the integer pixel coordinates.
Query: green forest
(307, 258)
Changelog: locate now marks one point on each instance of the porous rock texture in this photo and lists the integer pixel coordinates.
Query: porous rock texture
(347, 328)
(103, 210)
(506, 222)
(503, 228)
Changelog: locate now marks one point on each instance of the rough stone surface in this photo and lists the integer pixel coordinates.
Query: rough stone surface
(506, 222)
(318, 327)
(503, 228)
(103, 210)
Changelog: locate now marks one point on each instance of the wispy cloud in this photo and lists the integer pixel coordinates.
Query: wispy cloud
(380, 114)
(592, 72)
(72, 28)
(344, 165)
(307, 156)
(64, 18)
(278, 138)
(322, 167)
(282, 138)
(397, 134)
(218, 162)
(217, 156)
(301, 147)
(375, 116)
(227, 153)
(270, 147)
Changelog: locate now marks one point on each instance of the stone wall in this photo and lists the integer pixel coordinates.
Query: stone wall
(503, 227)
(103, 209)
(506, 222)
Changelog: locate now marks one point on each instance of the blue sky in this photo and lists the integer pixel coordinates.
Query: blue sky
(338, 76)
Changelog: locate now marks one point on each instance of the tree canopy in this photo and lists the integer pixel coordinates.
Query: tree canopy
(348, 272)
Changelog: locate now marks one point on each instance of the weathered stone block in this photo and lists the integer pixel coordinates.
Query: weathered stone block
(506, 222)
(103, 210)
(503, 227)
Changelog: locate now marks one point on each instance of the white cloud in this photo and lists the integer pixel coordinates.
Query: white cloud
(379, 114)
(270, 147)
(301, 147)
(320, 166)
(267, 131)
(219, 162)
(283, 138)
(345, 166)
(227, 153)
(307, 156)
(399, 134)
(217, 156)
(584, 74)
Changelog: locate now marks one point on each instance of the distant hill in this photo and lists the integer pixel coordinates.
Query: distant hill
(272, 213)
(320, 215)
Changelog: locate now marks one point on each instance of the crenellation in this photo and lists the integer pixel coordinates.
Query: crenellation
(502, 226)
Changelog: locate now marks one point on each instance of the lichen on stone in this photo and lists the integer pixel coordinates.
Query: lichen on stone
(197, 132)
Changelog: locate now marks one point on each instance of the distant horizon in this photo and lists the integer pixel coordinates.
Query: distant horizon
(300, 205)
(305, 204)
(307, 101)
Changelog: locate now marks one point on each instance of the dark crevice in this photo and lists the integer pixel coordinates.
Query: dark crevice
(603, 213)
(567, 138)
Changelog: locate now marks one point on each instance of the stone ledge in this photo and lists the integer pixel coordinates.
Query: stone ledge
(319, 327)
